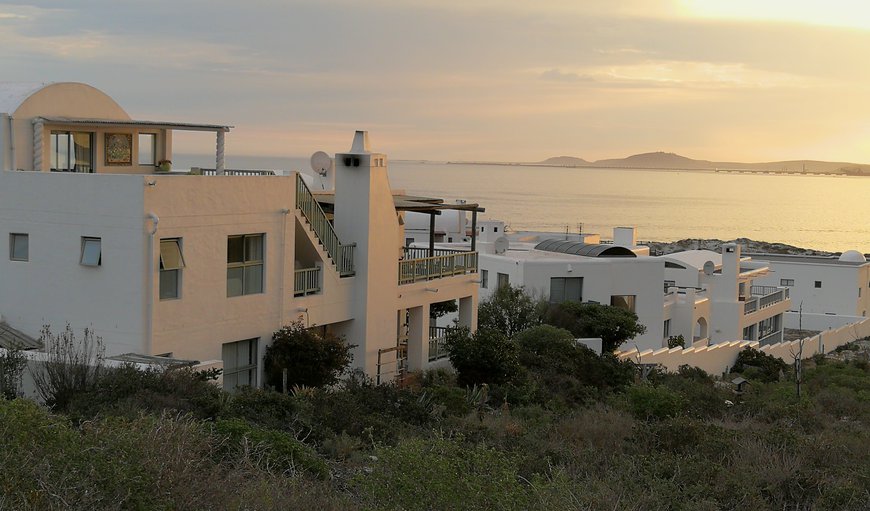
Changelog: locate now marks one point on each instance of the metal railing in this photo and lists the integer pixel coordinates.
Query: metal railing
(233, 172)
(421, 253)
(306, 281)
(437, 267)
(757, 302)
(762, 290)
(437, 336)
(341, 254)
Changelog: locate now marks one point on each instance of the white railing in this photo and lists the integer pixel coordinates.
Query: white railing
(234, 172)
(437, 336)
(773, 296)
(437, 267)
(306, 281)
(341, 255)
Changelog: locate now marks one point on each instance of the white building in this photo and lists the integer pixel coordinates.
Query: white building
(205, 267)
(826, 292)
(679, 294)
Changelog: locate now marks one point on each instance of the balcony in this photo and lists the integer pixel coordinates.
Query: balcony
(306, 281)
(423, 264)
(437, 337)
(763, 297)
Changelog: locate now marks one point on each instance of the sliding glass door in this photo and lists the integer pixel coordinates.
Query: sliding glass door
(72, 151)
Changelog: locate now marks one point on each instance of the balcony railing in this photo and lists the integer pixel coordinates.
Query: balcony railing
(437, 267)
(437, 336)
(422, 253)
(763, 297)
(306, 281)
(341, 254)
(233, 172)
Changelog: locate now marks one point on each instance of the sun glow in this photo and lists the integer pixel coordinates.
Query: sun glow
(837, 13)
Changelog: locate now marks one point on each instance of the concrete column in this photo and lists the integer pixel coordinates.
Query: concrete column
(418, 338)
(38, 129)
(468, 312)
(219, 157)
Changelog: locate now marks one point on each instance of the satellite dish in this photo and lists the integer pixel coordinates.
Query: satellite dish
(321, 163)
(500, 245)
(709, 268)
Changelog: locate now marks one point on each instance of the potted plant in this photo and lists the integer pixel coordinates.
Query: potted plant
(164, 165)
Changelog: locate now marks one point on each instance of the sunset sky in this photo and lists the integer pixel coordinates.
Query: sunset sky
(472, 79)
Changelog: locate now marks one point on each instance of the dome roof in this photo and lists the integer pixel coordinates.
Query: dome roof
(853, 256)
(12, 94)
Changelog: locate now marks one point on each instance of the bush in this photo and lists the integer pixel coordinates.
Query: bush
(676, 341)
(650, 402)
(310, 359)
(509, 311)
(282, 451)
(769, 368)
(263, 408)
(128, 391)
(440, 473)
(612, 324)
(486, 356)
(12, 365)
(72, 366)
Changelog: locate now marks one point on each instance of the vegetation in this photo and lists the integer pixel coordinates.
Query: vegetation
(563, 428)
(306, 357)
(510, 310)
(613, 325)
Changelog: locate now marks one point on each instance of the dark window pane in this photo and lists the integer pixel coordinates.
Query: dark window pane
(254, 279)
(235, 281)
(236, 249)
(168, 284)
(253, 248)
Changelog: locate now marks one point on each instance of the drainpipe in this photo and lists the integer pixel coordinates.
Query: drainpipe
(3, 149)
(149, 289)
(13, 165)
(284, 213)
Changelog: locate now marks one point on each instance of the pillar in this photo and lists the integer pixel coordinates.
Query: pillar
(468, 312)
(219, 156)
(418, 338)
(38, 129)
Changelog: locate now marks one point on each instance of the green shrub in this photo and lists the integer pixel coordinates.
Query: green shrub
(486, 356)
(310, 358)
(509, 311)
(613, 325)
(769, 368)
(440, 473)
(263, 408)
(282, 450)
(12, 365)
(650, 402)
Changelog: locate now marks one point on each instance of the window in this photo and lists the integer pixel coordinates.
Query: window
(171, 263)
(818, 284)
(72, 151)
(244, 264)
(503, 280)
(19, 247)
(564, 289)
(240, 363)
(147, 149)
(623, 301)
(484, 279)
(667, 329)
(92, 252)
(786, 282)
(669, 284)
(768, 326)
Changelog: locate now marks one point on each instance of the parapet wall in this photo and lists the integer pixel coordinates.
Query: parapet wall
(719, 358)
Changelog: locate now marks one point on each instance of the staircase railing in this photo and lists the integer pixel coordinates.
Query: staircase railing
(341, 254)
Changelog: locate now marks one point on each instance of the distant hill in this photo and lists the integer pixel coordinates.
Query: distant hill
(663, 160)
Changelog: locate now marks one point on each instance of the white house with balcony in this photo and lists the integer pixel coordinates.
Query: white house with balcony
(826, 291)
(706, 297)
(206, 267)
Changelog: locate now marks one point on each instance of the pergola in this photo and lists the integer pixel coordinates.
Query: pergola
(219, 130)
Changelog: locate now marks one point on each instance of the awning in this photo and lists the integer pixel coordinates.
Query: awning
(408, 203)
(121, 123)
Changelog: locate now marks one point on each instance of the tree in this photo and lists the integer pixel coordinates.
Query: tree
(438, 309)
(12, 364)
(676, 341)
(486, 356)
(72, 366)
(510, 311)
(310, 359)
(613, 325)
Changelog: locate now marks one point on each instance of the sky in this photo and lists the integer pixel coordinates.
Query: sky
(496, 80)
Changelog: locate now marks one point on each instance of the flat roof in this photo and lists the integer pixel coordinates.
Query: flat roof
(188, 126)
(789, 258)
(409, 203)
(168, 362)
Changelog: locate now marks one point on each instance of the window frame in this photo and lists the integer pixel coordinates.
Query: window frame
(153, 137)
(251, 367)
(484, 278)
(564, 288)
(167, 268)
(786, 282)
(85, 241)
(502, 277)
(12, 237)
(245, 264)
(54, 156)
(817, 284)
(630, 301)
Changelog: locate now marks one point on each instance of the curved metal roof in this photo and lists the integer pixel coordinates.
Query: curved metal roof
(584, 249)
(12, 94)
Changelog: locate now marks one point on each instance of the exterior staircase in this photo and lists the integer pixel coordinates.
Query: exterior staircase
(341, 255)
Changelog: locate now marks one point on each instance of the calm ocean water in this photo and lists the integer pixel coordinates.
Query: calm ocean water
(821, 212)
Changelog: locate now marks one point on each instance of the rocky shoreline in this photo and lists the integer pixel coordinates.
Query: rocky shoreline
(748, 245)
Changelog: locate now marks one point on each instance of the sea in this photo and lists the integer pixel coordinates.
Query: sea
(810, 211)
